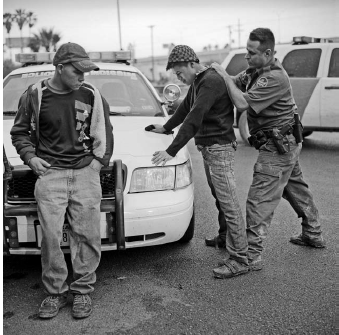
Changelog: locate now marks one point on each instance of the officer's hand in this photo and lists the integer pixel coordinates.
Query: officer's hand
(217, 67)
(156, 128)
(161, 157)
(38, 165)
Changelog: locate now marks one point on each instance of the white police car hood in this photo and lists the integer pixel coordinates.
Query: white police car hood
(131, 141)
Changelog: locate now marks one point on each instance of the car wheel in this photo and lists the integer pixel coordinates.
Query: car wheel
(243, 127)
(307, 133)
(190, 231)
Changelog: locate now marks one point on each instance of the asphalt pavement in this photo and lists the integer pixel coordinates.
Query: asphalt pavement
(170, 289)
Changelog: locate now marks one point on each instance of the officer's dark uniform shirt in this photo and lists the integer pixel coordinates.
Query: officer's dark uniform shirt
(269, 95)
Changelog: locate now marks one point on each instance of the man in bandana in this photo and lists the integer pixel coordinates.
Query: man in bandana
(207, 114)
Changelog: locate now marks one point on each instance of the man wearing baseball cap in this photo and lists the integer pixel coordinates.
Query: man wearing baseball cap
(63, 133)
(207, 114)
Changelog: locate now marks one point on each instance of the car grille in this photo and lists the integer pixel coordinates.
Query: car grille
(21, 186)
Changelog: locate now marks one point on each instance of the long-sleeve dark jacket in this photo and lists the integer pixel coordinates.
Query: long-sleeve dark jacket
(206, 114)
(25, 131)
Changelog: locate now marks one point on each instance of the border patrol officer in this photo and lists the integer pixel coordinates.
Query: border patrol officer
(264, 90)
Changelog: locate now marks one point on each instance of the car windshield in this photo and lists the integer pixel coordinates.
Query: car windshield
(126, 92)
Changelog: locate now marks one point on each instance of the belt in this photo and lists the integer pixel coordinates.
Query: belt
(285, 130)
(233, 144)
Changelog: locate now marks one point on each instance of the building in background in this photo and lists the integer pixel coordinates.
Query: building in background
(161, 76)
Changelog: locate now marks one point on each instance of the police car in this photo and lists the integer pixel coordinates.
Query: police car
(142, 205)
(313, 67)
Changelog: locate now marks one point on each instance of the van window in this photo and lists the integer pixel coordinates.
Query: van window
(237, 64)
(334, 64)
(302, 63)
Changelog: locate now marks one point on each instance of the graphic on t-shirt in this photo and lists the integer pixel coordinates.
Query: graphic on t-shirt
(83, 111)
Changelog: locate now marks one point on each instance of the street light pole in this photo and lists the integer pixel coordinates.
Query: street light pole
(119, 24)
(152, 51)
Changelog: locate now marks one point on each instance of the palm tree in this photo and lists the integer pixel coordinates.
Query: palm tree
(8, 19)
(46, 38)
(35, 43)
(20, 17)
(55, 40)
(31, 20)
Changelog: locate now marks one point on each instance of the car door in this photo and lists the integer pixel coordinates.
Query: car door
(302, 65)
(329, 103)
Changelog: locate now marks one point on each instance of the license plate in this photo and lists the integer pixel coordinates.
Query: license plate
(64, 238)
(65, 235)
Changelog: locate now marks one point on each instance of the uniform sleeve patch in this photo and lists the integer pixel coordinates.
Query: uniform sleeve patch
(262, 82)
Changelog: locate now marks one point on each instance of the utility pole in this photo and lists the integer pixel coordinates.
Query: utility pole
(119, 24)
(152, 26)
(230, 35)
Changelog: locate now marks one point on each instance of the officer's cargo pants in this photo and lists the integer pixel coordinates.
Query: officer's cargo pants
(277, 176)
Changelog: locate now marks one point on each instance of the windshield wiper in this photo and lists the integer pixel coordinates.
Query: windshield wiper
(9, 112)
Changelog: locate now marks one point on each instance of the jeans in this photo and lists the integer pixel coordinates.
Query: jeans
(276, 176)
(76, 195)
(219, 169)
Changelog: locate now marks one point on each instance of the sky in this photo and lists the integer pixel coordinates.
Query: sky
(94, 24)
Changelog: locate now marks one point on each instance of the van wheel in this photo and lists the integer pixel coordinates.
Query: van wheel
(190, 231)
(243, 127)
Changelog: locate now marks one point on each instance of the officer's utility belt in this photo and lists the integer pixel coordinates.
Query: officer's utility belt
(279, 136)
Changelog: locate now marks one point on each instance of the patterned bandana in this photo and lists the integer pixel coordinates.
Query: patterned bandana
(181, 53)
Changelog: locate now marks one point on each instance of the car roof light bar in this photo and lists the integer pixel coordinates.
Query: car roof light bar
(101, 56)
(35, 57)
(307, 39)
(110, 56)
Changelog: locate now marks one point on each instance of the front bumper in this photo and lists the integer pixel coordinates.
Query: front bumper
(150, 219)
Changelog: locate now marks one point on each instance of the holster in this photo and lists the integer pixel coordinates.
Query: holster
(281, 141)
(297, 129)
(258, 139)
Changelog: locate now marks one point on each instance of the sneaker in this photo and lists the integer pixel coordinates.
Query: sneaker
(50, 306)
(216, 242)
(229, 269)
(310, 242)
(82, 306)
(256, 264)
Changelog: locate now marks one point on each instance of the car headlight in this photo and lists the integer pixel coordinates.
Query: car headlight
(161, 178)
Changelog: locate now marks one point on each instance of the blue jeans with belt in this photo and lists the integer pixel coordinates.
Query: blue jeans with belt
(75, 193)
(276, 176)
(219, 169)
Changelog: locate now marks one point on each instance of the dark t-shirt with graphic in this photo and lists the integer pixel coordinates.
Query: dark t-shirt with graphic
(64, 127)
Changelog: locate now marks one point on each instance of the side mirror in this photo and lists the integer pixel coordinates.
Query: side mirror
(171, 93)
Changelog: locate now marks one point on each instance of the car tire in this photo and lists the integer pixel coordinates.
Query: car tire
(243, 127)
(190, 231)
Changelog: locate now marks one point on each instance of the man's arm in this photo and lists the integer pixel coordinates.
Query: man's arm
(109, 135)
(22, 137)
(206, 96)
(177, 118)
(21, 131)
(235, 93)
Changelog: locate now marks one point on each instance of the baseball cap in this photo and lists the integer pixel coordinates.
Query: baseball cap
(76, 55)
(181, 53)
